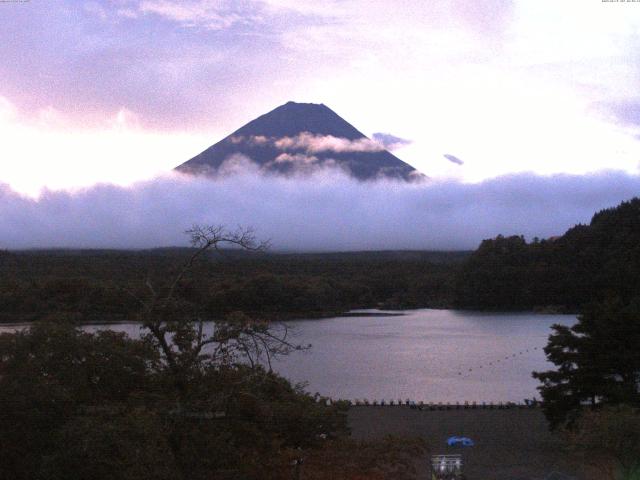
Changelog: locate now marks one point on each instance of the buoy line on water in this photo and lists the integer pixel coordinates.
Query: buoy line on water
(500, 360)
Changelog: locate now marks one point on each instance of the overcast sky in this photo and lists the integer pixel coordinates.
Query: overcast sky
(120, 90)
(524, 114)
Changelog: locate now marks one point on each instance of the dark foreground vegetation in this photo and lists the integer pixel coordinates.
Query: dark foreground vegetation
(592, 396)
(106, 407)
(184, 402)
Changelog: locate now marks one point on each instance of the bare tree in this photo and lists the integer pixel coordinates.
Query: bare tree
(194, 350)
(181, 336)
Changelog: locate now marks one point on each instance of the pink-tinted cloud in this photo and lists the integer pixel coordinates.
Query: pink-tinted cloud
(446, 72)
(89, 62)
(312, 143)
(188, 62)
(327, 143)
(297, 158)
(254, 140)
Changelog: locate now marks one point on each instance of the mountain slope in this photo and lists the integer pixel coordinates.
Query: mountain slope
(301, 137)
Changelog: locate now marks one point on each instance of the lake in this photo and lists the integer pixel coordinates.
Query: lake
(429, 355)
(424, 355)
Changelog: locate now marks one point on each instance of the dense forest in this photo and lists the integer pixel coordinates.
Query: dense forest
(99, 285)
(558, 274)
(588, 263)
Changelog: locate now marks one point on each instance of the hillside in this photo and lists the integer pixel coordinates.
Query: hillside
(586, 263)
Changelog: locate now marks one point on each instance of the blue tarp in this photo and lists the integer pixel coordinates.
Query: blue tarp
(461, 441)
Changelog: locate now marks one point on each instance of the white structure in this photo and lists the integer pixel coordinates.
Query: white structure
(446, 467)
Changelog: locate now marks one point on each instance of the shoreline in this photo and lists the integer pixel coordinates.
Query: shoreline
(299, 316)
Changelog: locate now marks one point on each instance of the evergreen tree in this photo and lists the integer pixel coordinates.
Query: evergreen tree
(597, 360)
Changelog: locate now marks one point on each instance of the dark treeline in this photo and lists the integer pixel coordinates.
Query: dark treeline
(565, 273)
(588, 263)
(107, 285)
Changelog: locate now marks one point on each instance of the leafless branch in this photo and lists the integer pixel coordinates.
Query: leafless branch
(183, 342)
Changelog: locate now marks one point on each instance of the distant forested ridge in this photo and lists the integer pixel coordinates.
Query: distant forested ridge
(587, 263)
(106, 285)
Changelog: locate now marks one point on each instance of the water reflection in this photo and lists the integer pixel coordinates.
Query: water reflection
(429, 355)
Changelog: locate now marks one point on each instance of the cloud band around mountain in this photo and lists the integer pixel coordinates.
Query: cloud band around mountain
(311, 143)
(323, 211)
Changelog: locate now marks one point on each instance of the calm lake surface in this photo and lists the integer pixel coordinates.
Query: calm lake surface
(428, 355)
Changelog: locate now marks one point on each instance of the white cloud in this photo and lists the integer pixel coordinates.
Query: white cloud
(8, 111)
(125, 118)
(518, 97)
(258, 140)
(327, 143)
(210, 14)
(515, 86)
(312, 143)
(298, 158)
(237, 164)
(322, 211)
(49, 151)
